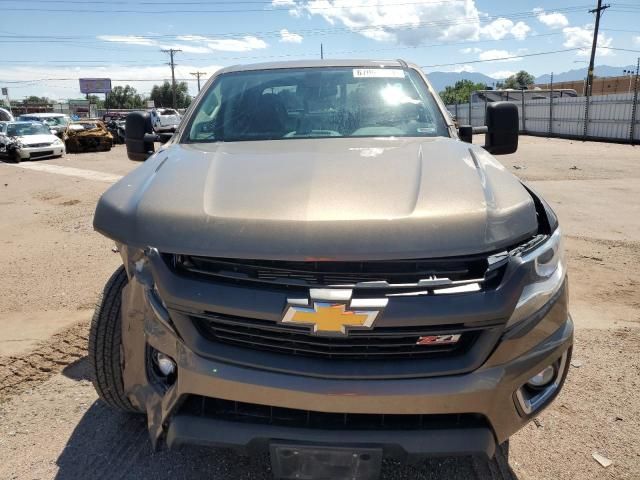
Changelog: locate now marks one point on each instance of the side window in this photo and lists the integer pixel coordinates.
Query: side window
(202, 127)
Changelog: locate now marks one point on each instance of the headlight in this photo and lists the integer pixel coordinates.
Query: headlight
(57, 141)
(548, 270)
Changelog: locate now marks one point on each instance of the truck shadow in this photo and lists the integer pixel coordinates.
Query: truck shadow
(108, 444)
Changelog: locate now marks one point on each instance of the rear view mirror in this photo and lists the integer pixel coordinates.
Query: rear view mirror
(139, 136)
(502, 128)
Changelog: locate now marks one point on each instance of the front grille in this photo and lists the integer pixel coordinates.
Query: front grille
(41, 154)
(392, 274)
(38, 145)
(380, 343)
(288, 417)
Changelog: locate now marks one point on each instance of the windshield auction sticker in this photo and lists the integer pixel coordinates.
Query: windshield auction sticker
(378, 73)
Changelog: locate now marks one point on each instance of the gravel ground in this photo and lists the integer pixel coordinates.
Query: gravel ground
(54, 265)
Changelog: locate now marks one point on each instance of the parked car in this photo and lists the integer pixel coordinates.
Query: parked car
(165, 120)
(57, 122)
(28, 140)
(321, 267)
(88, 135)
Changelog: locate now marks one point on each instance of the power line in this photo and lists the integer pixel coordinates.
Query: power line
(289, 55)
(502, 58)
(201, 11)
(551, 52)
(20, 38)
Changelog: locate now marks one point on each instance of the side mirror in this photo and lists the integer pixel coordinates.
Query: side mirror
(466, 133)
(138, 136)
(502, 128)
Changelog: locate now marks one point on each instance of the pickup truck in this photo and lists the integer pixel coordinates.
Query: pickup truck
(320, 266)
(164, 120)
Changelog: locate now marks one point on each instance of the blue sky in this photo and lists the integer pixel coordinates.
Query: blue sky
(47, 44)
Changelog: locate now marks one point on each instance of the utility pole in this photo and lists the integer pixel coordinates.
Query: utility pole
(198, 75)
(321, 52)
(598, 11)
(172, 52)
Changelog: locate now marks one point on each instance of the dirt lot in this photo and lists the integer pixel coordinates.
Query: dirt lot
(54, 265)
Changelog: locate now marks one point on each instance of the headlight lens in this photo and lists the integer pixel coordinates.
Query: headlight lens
(57, 141)
(549, 270)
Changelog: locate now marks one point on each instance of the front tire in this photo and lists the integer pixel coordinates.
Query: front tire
(105, 345)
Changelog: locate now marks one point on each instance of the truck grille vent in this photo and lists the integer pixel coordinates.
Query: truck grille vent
(377, 344)
(398, 274)
(263, 414)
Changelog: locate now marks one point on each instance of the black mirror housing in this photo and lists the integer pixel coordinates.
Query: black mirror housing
(139, 142)
(465, 132)
(503, 125)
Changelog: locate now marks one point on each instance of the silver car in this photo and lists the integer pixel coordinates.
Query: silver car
(320, 266)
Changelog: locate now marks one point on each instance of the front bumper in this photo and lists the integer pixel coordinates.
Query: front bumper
(27, 153)
(487, 394)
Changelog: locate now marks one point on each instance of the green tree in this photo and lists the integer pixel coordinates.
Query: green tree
(163, 97)
(461, 91)
(94, 99)
(35, 99)
(124, 97)
(520, 80)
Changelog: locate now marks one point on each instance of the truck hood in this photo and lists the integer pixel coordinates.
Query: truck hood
(340, 199)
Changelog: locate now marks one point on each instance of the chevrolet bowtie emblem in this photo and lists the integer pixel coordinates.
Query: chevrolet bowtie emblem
(331, 311)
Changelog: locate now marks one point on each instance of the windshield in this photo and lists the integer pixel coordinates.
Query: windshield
(55, 121)
(25, 129)
(315, 103)
(51, 121)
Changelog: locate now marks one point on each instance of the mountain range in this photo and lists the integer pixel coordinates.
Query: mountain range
(440, 80)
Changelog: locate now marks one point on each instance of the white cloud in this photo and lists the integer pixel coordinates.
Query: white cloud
(552, 20)
(410, 23)
(289, 37)
(128, 39)
(186, 48)
(636, 40)
(502, 27)
(244, 44)
(471, 50)
(194, 43)
(191, 38)
(498, 54)
(582, 37)
(520, 30)
(502, 74)
(461, 68)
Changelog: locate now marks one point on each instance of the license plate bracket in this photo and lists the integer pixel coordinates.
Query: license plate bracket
(312, 462)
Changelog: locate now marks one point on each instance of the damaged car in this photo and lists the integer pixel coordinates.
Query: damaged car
(88, 136)
(28, 141)
(321, 267)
